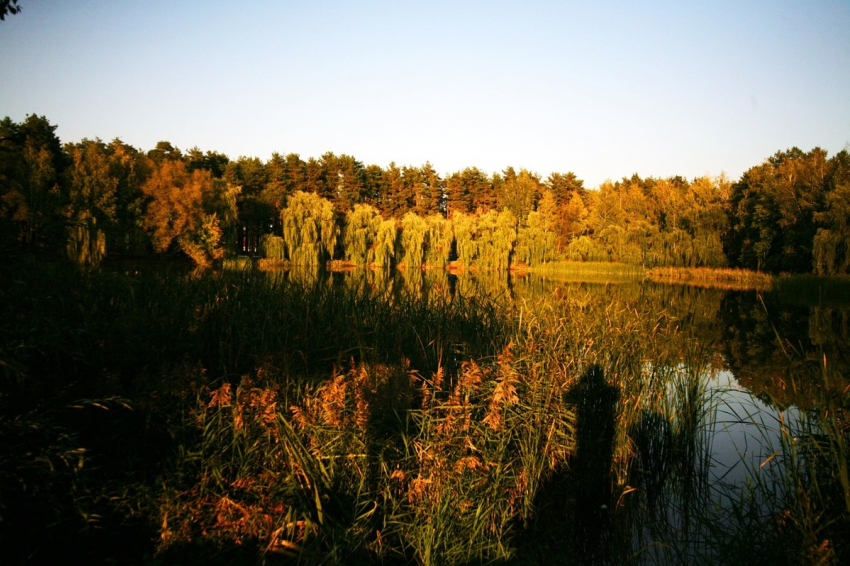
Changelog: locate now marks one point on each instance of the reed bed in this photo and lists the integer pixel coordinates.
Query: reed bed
(593, 271)
(729, 279)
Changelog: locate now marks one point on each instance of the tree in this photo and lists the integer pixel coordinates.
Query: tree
(93, 187)
(395, 198)
(214, 162)
(536, 243)
(164, 151)
(519, 194)
(8, 7)
(350, 178)
(131, 168)
(564, 186)
(831, 245)
(466, 245)
(361, 230)
(386, 244)
(772, 212)
(429, 196)
(496, 234)
(284, 176)
(440, 239)
(414, 239)
(375, 187)
(309, 229)
(32, 195)
(184, 210)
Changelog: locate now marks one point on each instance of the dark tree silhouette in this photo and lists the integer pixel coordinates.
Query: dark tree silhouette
(8, 7)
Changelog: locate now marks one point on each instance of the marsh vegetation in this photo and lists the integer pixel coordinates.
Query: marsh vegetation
(155, 414)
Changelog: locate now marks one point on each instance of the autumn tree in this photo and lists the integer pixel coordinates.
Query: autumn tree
(519, 193)
(394, 201)
(375, 186)
(185, 209)
(350, 182)
(131, 168)
(165, 151)
(536, 242)
(464, 227)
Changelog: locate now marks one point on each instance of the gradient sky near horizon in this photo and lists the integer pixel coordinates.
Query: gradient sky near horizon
(603, 89)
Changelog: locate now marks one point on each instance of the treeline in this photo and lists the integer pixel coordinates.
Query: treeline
(91, 198)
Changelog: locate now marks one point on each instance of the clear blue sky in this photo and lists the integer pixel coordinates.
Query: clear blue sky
(603, 89)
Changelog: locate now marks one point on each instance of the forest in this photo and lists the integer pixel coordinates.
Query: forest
(91, 199)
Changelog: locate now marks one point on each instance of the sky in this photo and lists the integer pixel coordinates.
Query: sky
(602, 89)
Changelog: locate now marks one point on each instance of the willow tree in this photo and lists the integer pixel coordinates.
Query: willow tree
(86, 243)
(385, 244)
(273, 247)
(361, 230)
(536, 243)
(584, 248)
(497, 235)
(464, 227)
(309, 229)
(440, 238)
(414, 238)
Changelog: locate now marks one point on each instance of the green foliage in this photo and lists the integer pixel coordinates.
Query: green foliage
(519, 193)
(414, 240)
(536, 244)
(361, 231)
(831, 245)
(585, 249)
(86, 244)
(309, 229)
(32, 195)
(496, 236)
(655, 222)
(386, 244)
(773, 209)
(440, 238)
(463, 228)
(273, 247)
